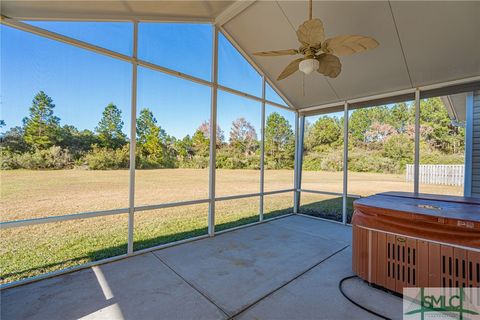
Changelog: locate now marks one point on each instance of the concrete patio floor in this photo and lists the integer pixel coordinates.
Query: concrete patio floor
(287, 268)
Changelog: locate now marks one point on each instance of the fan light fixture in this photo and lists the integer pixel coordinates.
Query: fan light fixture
(308, 66)
(320, 54)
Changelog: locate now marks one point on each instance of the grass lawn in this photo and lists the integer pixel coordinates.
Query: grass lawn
(32, 250)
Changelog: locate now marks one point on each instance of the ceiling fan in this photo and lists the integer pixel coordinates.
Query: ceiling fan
(320, 54)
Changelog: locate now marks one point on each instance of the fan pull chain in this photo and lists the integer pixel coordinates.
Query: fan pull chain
(310, 16)
(303, 84)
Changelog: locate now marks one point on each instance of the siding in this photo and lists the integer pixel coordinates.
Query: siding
(476, 145)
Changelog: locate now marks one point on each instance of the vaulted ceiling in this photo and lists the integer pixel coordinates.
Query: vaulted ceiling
(421, 42)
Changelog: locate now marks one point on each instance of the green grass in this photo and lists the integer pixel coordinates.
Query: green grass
(325, 206)
(33, 250)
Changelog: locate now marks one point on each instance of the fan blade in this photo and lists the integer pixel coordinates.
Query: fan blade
(310, 33)
(291, 68)
(288, 52)
(348, 44)
(329, 65)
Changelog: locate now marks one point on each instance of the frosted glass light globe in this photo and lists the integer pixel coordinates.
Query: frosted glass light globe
(308, 66)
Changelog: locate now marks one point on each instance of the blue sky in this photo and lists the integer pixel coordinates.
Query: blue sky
(82, 83)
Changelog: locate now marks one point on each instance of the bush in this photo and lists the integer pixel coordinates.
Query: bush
(400, 148)
(226, 159)
(104, 158)
(328, 161)
(51, 158)
(8, 160)
(372, 162)
(196, 162)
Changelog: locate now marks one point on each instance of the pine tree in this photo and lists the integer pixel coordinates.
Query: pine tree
(279, 142)
(151, 138)
(41, 127)
(110, 127)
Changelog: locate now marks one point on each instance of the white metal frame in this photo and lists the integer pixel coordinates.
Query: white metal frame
(213, 84)
(417, 92)
(416, 165)
(132, 209)
(467, 192)
(345, 164)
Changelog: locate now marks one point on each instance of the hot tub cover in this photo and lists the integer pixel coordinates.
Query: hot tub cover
(446, 219)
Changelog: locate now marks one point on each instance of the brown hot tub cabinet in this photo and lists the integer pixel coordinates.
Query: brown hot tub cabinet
(407, 240)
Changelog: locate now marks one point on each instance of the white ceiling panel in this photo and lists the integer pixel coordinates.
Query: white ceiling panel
(380, 70)
(70, 9)
(441, 39)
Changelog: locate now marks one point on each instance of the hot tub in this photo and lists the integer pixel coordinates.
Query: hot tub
(417, 240)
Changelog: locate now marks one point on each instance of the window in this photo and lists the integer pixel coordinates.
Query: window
(31, 250)
(179, 46)
(173, 139)
(66, 114)
(238, 149)
(279, 148)
(273, 96)
(67, 121)
(381, 146)
(156, 227)
(279, 204)
(442, 148)
(233, 213)
(322, 166)
(234, 71)
(115, 36)
(323, 205)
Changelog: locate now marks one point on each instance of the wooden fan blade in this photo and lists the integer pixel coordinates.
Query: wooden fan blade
(290, 69)
(288, 52)
(310, 33)
(348, 44)
(329, 65)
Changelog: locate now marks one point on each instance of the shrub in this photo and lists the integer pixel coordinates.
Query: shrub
(8, 160)
(104, 158)
(195, 162)
(51, 158)
(326, 161)
(372, 162)
(399, 148)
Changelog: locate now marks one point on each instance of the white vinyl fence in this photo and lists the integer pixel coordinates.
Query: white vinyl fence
(445, 174)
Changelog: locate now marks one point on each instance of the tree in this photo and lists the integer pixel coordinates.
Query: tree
(379, 132)
(41, 128)
(399, 148)
(184, 148)
(77, 142)
(243, 137)
(110, 127)
(400, 116)
(201, 139)
(13, 141)
(279, 142)
(205, 129)
(325, 131)
(201, 142)
(444, 135)
(151, 139)
(361, 120)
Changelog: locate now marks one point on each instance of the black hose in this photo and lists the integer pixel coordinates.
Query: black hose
(356, 303)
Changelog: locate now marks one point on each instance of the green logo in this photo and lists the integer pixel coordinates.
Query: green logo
(451, 302)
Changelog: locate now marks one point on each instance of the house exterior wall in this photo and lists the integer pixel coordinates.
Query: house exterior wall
(475, 183)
